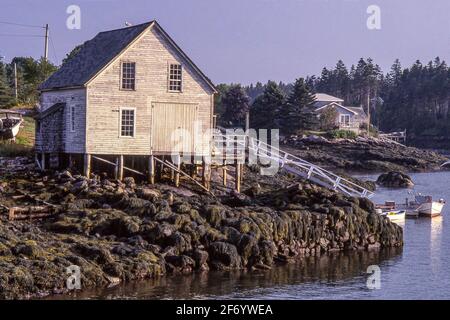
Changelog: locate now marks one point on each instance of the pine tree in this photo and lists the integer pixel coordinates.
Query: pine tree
(293, 116)
(6, 95)
(236, 104)
(265, 108)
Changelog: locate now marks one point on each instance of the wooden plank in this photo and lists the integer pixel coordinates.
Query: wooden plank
(104, 160)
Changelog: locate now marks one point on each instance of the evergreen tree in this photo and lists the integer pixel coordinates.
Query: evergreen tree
(293, 116)
(236, 104)
(6, 96)
(265, 108)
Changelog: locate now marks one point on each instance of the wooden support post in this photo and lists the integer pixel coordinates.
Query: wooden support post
(120, 168)
(193, 171)
(116, 169)
(43, 161)
(87, 165)
(177, 174)
(238, 177)
(224, 171)
(151, 169)
(70, 161)
(206, 174)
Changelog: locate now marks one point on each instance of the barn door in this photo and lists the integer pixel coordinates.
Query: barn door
(173, 127)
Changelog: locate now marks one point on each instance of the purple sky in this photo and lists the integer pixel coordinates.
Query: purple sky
(247, 40)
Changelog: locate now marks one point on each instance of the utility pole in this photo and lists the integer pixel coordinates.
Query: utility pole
(15, 80)
(46, 43)
(368, 112)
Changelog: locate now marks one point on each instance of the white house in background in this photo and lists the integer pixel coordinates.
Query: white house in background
(348, 118)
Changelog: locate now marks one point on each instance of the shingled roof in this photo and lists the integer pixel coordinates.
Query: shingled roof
(92, 57)
(95, 54)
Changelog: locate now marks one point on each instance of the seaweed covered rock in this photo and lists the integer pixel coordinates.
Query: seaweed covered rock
(121, 231)
(394, 179)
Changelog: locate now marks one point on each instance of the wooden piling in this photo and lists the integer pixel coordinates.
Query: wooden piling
(206, 176)
(87, 165)
(43, 164)
(151, 169)
(70, 161)
(120, 167)
(224, 171)
(238, 177)
(177, 173)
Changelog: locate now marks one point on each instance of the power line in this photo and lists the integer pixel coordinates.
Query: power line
(21, 24)
(53, 49)
(20, 35)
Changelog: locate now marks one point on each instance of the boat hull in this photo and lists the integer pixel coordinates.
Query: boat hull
(396, 216)
(430, 209)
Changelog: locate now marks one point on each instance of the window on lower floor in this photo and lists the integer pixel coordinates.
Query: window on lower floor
(127, 122)
(344, 119)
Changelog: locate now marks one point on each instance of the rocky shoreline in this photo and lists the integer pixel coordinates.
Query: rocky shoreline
(122, 231)
(363, 154)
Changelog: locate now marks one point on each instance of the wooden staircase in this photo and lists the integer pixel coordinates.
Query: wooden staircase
(288, 162)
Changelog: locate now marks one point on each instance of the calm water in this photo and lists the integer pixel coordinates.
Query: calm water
(421, 270)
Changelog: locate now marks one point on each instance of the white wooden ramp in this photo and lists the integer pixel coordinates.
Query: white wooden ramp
(296, 165)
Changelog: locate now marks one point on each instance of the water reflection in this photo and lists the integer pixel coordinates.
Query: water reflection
(329, 269)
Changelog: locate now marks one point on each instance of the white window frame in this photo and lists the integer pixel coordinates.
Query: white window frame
(342, 121)
(121, 76)
(72, 123)
(168, 76)
(121, 109)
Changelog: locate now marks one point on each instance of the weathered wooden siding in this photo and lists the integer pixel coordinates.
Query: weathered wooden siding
(50, 133)
(152, 56)
(73, 141)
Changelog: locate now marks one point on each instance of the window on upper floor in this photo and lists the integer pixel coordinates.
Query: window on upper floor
(175, 77)
(127, 122)
(128, 75)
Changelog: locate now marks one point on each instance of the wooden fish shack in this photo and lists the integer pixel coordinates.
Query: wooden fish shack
(128, 97)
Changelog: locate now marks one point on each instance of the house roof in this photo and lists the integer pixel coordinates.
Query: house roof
(354, 110)
(97, 53)
(357, 110)
(323, 97)
(51, 110)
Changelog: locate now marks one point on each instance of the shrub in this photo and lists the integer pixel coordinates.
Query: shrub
(342, 134)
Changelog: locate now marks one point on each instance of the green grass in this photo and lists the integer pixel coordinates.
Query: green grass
(24, 141)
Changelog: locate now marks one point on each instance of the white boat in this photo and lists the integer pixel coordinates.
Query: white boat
(395, 215)
(10, 122)
(431, 209)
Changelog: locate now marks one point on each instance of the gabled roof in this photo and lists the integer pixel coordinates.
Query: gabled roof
(323, 97)
(335, 104)
(98, 52)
